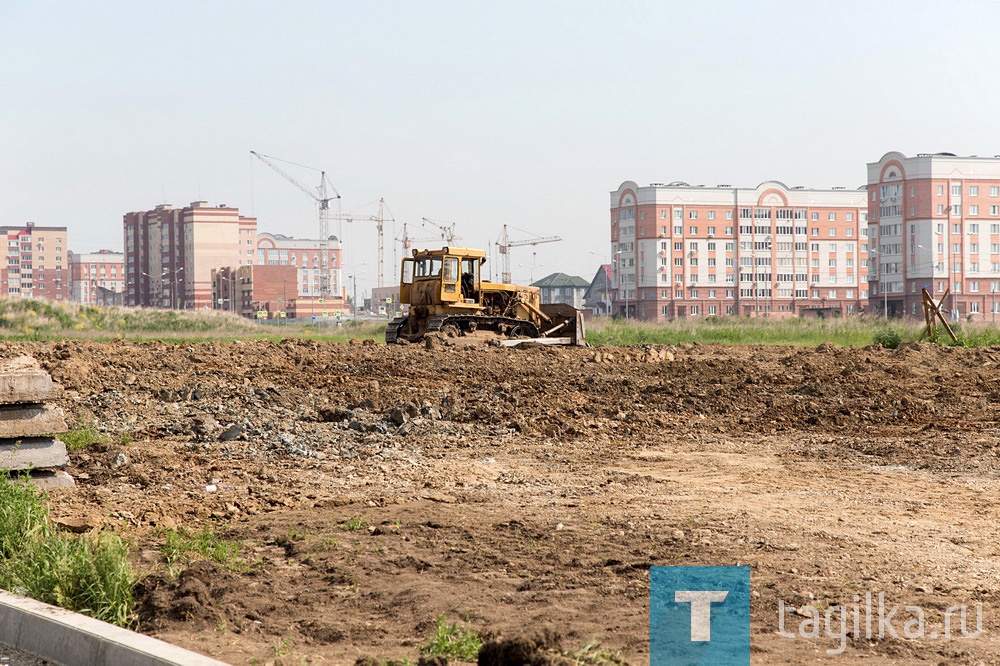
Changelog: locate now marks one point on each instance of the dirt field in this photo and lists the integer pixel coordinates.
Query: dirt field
(522, 490)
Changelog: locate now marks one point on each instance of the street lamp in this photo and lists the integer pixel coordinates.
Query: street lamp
(354, 278)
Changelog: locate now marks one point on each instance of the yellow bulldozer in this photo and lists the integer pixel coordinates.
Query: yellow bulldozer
(446, 294)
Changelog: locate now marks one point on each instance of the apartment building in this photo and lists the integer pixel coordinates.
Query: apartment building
(934, 224)
(170, 253)
(35, 265)
(97, 278)
(693, 251)
(305, 255)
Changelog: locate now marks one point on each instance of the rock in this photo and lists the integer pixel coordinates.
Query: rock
(231, 433)
(335, 414)
(678, 535)
(398, 416)
(120, 459)
(78, 524)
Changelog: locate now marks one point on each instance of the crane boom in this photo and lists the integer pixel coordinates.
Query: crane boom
(447, 230)
(321, 197)
(504, 245)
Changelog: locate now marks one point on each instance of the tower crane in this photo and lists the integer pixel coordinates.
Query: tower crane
(447, 230)
(406, 241)
(504, 245)
(321, 197)
(379, 221)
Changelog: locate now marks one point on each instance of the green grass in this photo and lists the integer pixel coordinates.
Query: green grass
(89, 574)
(797, 332)
(81, 437)
(453, 642)
(180, 545)
(353, 524)
(29, 319)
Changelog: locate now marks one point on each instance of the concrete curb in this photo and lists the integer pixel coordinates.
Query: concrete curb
(69, 639)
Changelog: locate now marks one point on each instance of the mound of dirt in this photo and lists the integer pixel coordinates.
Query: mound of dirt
(372, 489)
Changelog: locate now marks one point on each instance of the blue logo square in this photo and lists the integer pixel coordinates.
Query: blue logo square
(699, 616)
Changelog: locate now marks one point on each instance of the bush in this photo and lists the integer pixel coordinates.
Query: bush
(888, 339)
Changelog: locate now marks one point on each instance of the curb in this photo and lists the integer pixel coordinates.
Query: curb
(67, 638)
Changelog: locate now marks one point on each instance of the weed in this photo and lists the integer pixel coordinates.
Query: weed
(592, 654)
(179, 544)
(80, 437)
(89, 574)
(453, 642)
(887, 339)
(354, 523)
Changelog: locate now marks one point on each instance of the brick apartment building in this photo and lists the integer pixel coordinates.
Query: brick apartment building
(97, 277)
(35, 265)
(304, 255)
(935, 225)
(170, 253)
(693, 251)
(248, 290)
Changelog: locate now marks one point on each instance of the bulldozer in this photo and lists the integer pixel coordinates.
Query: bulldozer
(446, 294)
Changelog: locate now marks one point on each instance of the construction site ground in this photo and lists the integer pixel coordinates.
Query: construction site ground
(375, 488)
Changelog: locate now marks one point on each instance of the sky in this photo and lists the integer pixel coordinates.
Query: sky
(477, 113)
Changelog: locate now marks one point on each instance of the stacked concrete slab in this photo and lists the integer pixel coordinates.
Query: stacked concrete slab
(29, 422)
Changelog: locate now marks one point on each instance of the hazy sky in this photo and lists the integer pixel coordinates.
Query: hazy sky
(480, 113)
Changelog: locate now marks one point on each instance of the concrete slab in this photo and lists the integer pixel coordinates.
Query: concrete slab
(22, 380)
(28, 452)
(30, 420)
(49, 479)
(66, 638)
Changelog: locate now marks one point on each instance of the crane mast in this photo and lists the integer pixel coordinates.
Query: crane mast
(322, 198)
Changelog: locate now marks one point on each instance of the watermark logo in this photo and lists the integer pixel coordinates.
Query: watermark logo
(872, 617)
(699, 616)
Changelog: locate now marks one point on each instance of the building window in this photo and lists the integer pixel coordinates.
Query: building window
(693, 214)
(956, 190)
(663, 214)
(678, 231)
(973, 190)
(940, 190)
(973, 209)
(815, 216)
(693, 230)
(831, 217)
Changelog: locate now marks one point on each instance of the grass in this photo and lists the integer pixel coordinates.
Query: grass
(81, 437)
(179, 547)
(89, 574)
(354, 524)
(797, 332)
(453, 642)
(30, 319)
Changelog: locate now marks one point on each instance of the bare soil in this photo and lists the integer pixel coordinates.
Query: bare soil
(378, 487)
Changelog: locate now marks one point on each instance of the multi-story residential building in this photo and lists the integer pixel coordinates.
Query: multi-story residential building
(97, 277)
(34, 266)
(935, 225)
(693, 251)
(304, 254)
(562, 288)
(170, 253)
